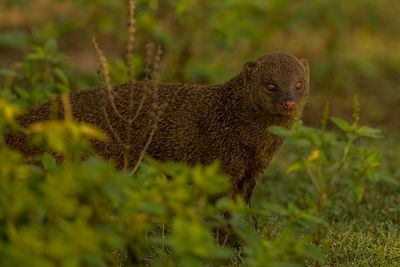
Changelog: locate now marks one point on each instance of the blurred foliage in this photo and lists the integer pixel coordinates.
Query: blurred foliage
(352, 46)
(38, 78)
(74, 213)
(91, 214)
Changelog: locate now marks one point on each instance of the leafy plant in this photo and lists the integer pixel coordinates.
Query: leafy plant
(333, 161)
(92, 214)
(39, 77)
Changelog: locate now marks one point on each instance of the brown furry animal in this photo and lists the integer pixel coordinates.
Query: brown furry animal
(199, 123)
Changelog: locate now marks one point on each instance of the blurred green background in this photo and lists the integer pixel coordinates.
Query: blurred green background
(352, 46)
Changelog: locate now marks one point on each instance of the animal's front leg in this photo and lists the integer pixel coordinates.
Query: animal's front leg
(243, 186)
(237, 166)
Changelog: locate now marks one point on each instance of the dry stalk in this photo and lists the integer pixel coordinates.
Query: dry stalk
(110, 92)
(155, 116)
(106, 76)
(53, 110)
(140, 106)
(139, 161)
(130, 48)
(225, 240)
(131, 38)
(148, 61)
(155, 75)
(67, 106)
(157, 109)
(150, 72)
(112, 129)
(128, 131)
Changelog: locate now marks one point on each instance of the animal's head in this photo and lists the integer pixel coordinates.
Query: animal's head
(278, 83)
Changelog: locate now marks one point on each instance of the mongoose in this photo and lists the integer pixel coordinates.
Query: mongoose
(199, 123)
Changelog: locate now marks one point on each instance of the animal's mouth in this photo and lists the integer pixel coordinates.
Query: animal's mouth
(280, 112)
(289, 105)
(286, 112)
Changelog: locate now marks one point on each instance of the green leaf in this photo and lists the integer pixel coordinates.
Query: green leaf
(358, 190)
(14, 38)
(279, 130)
(315, 253)
(368, 132)
(295, 166)
(23, 93)
(209, 180)
(49, 163)
(373, 159)
(51, 45)
(351, 136)
(7, 72)
(61, 75)
(275, 208)
(383, 175)
(342, 124)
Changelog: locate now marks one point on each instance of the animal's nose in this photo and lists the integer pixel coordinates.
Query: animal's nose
(288, 104)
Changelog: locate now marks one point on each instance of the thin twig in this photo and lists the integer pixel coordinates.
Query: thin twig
(67, 106)
(53, 110)
(128, 131)
(155, 75)
(148, 61)
(131, 38)
(140, 106)
(144, 150)
(225, 240)
(112, 129)
(255, 221)
(106, 76)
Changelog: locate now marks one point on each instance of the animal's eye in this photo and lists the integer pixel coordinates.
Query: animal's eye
(271, 87)
(298, 85)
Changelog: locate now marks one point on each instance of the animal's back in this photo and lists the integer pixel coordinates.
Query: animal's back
(184, 108)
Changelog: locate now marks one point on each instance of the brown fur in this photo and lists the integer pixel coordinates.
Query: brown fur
(200, 123)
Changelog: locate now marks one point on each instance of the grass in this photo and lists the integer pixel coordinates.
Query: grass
(357, 234)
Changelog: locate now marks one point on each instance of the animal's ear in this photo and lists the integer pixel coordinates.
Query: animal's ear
(248, 68)
(305, 64)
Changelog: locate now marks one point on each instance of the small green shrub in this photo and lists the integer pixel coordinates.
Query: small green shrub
(335, 162)
(89, 213)
(39, 77)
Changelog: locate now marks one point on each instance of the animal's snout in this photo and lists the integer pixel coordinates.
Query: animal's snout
(289, 104)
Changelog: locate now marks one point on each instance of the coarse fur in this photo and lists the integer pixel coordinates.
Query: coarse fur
(199, 123)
